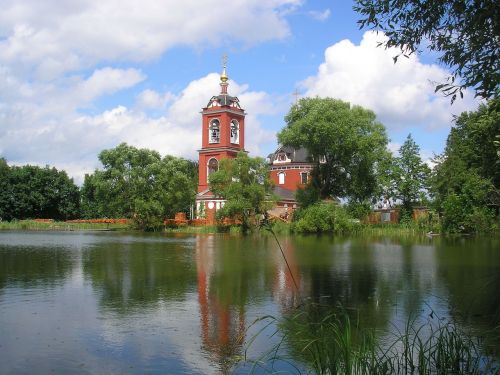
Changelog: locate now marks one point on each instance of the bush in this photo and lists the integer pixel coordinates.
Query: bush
(280, 227)
(405, 216)
(480, 220)
(429, 222)
(358, 210)
(461, 217)
(148, 215)
(453, 214)
(323, 217)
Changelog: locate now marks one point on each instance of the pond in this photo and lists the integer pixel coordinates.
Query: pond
(104, 302)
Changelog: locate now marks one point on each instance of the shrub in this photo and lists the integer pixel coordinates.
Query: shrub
(480, 220)
(460, 216)
(453, 214)
(358, 210)
(323, 217)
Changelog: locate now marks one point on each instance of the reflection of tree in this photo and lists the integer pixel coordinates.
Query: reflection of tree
(34, 267)
(359, 277)
(139, 273)
(336, 271)
(469, 269)
(227, 280)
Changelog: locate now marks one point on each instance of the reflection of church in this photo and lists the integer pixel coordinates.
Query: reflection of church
(223, 136)
(222, 324)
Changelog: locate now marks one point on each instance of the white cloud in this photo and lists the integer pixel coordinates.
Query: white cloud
(401, 94)
(150, 99)
(320, 16)
(77, 34)
(59, 57)
(107, 81)
(52, 131)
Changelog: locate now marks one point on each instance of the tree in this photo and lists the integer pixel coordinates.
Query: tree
(466, 178)
(410, 174)
(28, 192)
(245, 185)
(139, 184)
(464, 33)
(5, 189)
(345, 142)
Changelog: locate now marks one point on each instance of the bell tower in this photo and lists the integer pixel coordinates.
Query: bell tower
(223, 136)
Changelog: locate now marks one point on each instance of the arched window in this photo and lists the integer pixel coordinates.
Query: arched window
(214, 131)
(303, 177)
(281, 178)
(213, 166)
(235, 132)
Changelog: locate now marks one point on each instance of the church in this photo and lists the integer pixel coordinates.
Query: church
(223, 136)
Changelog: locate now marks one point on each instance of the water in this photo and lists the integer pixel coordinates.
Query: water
(82, 302)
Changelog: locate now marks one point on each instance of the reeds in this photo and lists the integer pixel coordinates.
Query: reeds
(334, 344)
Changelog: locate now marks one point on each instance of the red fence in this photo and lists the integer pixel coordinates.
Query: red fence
(99, 221)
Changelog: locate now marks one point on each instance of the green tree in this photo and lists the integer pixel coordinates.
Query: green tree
(345, 142)
(464, 34)
(139, 184)
(410, 174)
(29, 192)
(4, 189)
(466, 178)
(245, 185)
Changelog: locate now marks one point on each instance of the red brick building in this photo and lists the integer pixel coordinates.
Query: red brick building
(289, 169)
(223, 136)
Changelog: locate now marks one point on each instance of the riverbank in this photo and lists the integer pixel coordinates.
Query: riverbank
(287, 229)
(61, 225)
(399, 230)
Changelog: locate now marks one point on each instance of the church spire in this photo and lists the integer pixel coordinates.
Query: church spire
(223, 77)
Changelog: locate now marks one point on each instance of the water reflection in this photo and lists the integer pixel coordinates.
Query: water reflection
(137, 274)
(34, 263)
(181, 304)
(222, 316)
(470, 272)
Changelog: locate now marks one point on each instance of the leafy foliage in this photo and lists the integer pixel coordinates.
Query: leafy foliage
(410, 174)
(245, 185)
(358, 210)
(323, 218)
(466, 178)
(35, 192)
(465, 34)
(139, 184)
(345, 142)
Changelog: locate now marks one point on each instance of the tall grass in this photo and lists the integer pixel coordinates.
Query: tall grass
(334, 344)
(193, 229)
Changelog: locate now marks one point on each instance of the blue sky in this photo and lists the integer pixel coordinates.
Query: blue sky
(90, 74)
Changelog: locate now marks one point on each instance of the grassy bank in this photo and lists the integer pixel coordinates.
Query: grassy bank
(59, 225)
(287, 228)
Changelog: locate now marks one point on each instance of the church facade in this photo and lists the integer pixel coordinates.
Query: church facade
(223, 136)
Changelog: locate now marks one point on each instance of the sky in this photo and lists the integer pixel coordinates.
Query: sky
(81, 76)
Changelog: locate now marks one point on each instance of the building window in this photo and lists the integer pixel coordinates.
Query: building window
(214, 131)
(281, 178)
(235, 132)
(303, 177)
(282, 157)
(213, 166)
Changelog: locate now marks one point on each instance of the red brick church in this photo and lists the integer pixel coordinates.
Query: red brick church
(223, 136)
